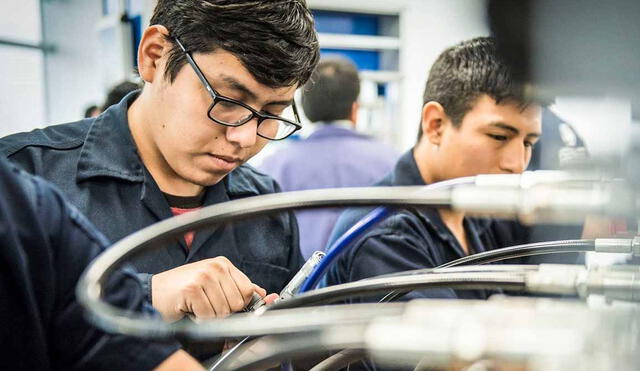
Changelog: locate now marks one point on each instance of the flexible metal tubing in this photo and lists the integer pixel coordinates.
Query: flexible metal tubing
(222, 361)
(510, 279)
(459, 280)
(296, 320)
(285, 347)
(464, 268)
(111, 318)
(340, 246)
(347, 356)
(539, 248)
(511, 252)
(224, 357)
(563, 246)
(374, 217)
(340, 360)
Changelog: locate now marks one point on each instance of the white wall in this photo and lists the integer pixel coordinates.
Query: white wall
(22, 97)
(73, 76)
(22, 101)
(20, 20)
(427, 27)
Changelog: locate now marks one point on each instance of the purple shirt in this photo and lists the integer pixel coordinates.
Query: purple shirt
(330, 157)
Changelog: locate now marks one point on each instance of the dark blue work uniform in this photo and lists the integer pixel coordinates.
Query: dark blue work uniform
(45, 244)
(96, 163)
(415, 238)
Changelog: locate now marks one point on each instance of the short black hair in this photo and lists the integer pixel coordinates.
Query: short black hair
(467, 70)
(88, 112)
(274, 39)
(333, 88)
(118, 92)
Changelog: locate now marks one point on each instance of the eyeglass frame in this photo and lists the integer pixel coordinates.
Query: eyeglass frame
(217, 97)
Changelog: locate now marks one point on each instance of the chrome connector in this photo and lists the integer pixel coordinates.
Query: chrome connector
(615, 245)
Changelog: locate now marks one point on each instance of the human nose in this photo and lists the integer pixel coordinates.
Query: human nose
(515, 158)
(245, 135)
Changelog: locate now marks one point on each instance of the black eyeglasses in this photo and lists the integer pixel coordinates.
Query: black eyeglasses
(230, 112)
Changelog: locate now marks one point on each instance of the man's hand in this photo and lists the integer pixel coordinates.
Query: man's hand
(208, 289)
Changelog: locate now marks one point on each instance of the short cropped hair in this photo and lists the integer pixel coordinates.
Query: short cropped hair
(467, 70)
(330, 93)
(118, 92)
(275, 40)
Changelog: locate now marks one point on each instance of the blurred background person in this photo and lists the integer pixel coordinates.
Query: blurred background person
(118, 92)
(335, 155)
(114, 96)
(92, 111)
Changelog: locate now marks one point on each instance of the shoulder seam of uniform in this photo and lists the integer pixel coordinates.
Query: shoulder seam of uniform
(56, 145)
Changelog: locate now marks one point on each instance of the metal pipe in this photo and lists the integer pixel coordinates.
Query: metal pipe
(458, 280)
(90, 286)
(111, 318)
(539, 248)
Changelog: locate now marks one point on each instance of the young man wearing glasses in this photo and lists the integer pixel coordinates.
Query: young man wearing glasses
(220, 77)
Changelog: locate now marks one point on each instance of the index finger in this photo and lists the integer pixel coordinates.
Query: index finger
(244, 284)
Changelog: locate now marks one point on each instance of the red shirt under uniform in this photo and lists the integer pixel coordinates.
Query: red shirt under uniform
(181, 205)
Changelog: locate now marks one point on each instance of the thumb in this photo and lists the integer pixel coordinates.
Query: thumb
(262, 292)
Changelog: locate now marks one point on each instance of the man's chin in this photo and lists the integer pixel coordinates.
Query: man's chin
(209, 179)
(208, 182)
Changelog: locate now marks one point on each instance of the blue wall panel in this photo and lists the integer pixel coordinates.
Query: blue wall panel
(364, 59)
(346, 23)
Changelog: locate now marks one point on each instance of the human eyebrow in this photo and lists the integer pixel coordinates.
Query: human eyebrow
(504, 126)
(284, 103)
(240, 87)
(514, 130)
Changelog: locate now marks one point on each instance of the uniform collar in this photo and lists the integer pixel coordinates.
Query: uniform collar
(109, 149)
(406, 173)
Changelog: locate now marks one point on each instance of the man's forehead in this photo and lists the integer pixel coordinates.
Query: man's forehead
(224, 70)
(508, 106)
(506, 115)
(256, 91)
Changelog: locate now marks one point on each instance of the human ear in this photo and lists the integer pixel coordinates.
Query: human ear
(353, 117)
(153, 47)
(434, 119)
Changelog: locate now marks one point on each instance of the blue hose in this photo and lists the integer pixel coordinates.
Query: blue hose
(337, 248)
(357, 230)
